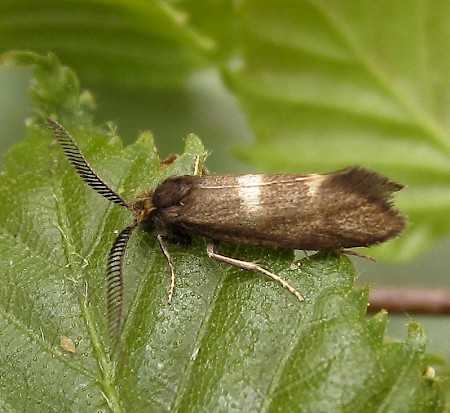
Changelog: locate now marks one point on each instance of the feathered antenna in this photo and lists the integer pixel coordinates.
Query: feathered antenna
(114, 282)
(114, 270)
(78, 161)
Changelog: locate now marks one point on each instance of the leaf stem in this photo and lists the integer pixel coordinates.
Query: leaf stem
(409, 300)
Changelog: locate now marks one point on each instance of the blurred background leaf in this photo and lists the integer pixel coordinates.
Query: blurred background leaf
(134, 44)
(343, 83)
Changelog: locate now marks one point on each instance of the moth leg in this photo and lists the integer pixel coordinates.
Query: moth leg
(251, 266)
(197, 170)
(358, 254)
(197, 166)
(165, 251)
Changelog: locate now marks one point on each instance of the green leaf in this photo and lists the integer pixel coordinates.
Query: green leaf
(323, 84)
(130, 43)
(217, 19)
(230, 341)
(328, 84)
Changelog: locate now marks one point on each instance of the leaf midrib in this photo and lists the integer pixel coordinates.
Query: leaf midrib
(109, 391)
(426, 123)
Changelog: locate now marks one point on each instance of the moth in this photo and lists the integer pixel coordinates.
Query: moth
(348, 208)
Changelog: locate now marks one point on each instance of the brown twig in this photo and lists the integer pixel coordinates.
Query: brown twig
(409, 300)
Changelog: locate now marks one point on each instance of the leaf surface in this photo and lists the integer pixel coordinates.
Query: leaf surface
(230, 341)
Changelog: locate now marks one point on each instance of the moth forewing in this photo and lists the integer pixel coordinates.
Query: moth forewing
(344, 209)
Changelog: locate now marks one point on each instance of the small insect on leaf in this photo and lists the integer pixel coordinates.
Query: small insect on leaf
(67, 344)
(348, 208)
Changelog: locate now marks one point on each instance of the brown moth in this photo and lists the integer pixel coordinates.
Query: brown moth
(348, 208)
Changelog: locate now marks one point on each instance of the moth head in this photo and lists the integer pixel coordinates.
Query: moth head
(143, 209)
